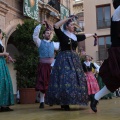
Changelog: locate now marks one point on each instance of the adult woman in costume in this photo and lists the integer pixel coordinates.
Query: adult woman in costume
(68, 84)
(6, 89)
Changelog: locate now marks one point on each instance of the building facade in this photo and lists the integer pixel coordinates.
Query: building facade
(11, 14)
(78, 10)
(97, 18)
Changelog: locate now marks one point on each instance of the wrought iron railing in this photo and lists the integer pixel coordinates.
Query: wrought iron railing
(55, 4)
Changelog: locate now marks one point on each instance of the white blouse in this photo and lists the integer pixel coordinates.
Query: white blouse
(116, 14)
(37, 40)
(87, 63)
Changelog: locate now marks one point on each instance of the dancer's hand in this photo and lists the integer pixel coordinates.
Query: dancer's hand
(95, 35)
(73, 17)
(43, 22)
(10, 59)
(6, 54)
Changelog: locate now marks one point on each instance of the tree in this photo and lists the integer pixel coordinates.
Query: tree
(27, 60)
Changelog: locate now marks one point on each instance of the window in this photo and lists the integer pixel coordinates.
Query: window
(104, 43)
(103, 16)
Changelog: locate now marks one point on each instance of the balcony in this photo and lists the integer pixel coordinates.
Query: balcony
(77, 2)
(55, 4)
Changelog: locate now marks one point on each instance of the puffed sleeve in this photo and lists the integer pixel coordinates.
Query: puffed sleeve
(84, 67)
(80, 37)
(56, 45)
(93, 66)
(59, 33)
(36, 33)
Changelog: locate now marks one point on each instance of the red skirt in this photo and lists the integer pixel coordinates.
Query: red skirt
(43, 76)
(92, 83)
(110, 69)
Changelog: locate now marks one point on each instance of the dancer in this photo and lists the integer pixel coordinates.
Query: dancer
(6, 88)
(110, 69)
(46, 57)
(91, 80)
(67, 83)
(101, 85)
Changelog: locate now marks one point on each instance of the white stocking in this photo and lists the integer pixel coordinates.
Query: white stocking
(104, 91)
(42, 97)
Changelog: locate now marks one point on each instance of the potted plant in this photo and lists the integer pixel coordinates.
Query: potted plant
(27, 60)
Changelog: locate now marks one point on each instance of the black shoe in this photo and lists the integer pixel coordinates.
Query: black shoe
(5, 109)
(62, 106)
(65, 107)
(93, 103)
(50, 105)
(41, 105)
(110, 97)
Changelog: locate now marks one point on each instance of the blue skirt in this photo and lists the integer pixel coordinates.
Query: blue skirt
(6, 89)
(67, 82)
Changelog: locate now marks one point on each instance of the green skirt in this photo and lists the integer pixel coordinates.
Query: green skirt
(6, 89)
(101, 85)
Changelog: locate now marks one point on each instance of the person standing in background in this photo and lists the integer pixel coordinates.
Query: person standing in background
(6, 88)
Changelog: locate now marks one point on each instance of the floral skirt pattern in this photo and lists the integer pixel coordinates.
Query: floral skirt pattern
(67, 82)
(92, 83)
(6, 89)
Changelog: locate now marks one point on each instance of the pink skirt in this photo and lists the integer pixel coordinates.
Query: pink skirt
(92, 83)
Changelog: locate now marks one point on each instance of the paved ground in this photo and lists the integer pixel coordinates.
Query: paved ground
(107, 110)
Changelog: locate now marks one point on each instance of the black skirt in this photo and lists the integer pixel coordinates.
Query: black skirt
(110, 69)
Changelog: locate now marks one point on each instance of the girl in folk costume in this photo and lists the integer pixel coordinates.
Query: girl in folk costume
(46, 57)
(68, 84)
(6, 89)
(110, 69)
(91, 80)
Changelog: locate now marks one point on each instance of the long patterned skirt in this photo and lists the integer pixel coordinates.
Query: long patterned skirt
(43, 77)
(67, 83)
(92, 83)
(6, 89)
(110, 69)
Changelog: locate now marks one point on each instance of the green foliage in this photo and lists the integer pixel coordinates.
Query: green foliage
(3, 35)
(55, 39)
(27, 61)
(82, 58)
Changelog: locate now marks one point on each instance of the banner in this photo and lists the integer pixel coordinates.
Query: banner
(64, 11)
(30, 9)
